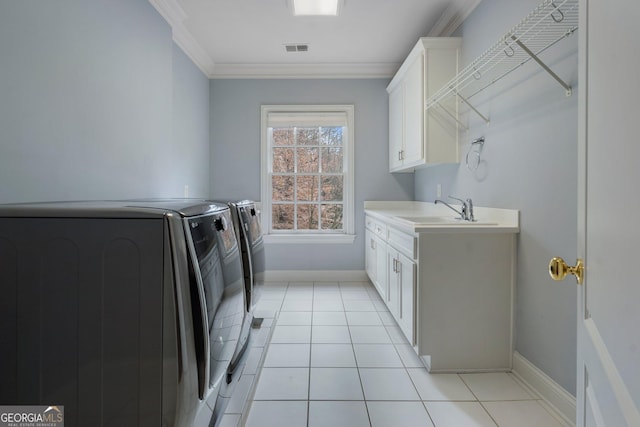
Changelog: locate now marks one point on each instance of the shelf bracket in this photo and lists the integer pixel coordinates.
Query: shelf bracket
(567, 88)
(463, 99)
(453, 116)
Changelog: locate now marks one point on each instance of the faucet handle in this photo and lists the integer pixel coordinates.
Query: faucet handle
(470, 210)
(467, 208)
(464, 211)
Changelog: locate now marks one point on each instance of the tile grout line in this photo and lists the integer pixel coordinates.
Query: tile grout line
(488, 413)
(355, 358)
(244, 416)
(478, 400)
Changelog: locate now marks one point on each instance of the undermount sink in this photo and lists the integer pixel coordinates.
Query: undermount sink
(428, 219)
(442, 220)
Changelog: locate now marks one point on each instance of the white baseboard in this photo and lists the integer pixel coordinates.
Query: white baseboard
(557, 398)
(315, 276)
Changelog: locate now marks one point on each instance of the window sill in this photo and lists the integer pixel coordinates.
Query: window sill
(309, 238)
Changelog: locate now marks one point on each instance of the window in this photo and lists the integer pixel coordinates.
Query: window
(307, 173)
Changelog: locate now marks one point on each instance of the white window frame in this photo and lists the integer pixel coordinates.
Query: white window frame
(348, 233)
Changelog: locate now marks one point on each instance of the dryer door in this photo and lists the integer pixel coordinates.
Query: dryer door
(252, 231)
(221, 287)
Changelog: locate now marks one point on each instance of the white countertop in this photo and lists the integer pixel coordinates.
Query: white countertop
(425, 217)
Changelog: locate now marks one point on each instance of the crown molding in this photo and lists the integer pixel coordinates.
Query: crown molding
(170, 10)
(175, 16)
(453, 17)
(304, 71)
(185, 41)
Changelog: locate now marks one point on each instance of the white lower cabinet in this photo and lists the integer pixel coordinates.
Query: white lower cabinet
(390, 266)
(465, 301)
(451, 293)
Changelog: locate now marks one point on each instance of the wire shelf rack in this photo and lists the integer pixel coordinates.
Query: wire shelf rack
(549, 23)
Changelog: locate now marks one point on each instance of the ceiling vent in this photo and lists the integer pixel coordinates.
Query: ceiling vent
(296, 47)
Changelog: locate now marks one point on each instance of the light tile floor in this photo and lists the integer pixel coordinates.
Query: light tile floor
(337, 358)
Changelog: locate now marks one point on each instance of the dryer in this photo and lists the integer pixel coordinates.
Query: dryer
(248, 229)
(124, 312)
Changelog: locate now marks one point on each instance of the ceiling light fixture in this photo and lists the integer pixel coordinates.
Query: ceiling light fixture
(316, 7)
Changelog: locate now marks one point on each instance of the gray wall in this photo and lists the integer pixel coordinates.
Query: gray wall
(191, 141)
(235, 144)
(87, 103)
(529, 164)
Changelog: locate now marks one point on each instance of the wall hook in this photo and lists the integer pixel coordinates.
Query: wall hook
(558, 20)
(506, 52)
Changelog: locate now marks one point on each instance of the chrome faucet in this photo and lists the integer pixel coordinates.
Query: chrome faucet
(466, 212)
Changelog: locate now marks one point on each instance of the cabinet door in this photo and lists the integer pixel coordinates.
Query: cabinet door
(393, 286)
(376, 262)
(381, 266)
(396, 127)
(414, 112)
(370, 256)
(407, 287)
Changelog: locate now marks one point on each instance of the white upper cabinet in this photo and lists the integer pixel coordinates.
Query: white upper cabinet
(418, 138)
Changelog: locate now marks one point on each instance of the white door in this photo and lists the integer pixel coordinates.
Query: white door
(608, 354)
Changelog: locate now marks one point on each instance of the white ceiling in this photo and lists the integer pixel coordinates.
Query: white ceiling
(246, 38)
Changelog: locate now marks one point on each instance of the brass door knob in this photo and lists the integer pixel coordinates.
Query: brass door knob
(558, 269)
